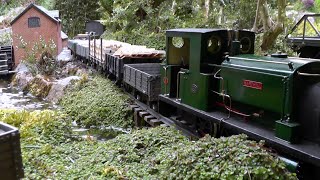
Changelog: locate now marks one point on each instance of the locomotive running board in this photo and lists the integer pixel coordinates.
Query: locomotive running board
(304, 151)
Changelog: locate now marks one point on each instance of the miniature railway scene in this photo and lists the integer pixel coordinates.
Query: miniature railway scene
(160, 89)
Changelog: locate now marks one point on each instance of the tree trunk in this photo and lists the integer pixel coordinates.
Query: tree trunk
(207, 8)
(272, 32)
(173, 7)
(256, 19)
(264, 13)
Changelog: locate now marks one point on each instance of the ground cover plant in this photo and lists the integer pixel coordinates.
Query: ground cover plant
(97, 102)
(158, 153)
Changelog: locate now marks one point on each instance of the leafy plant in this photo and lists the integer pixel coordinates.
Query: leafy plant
(38, 127)
(39, 56)
(5, 39)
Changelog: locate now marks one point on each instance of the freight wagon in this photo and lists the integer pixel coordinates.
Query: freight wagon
(10, 153)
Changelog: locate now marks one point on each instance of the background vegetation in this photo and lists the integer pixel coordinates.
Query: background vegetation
(144, 21)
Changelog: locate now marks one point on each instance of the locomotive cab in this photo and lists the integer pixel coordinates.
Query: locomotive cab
(186, 74)
(193, 58)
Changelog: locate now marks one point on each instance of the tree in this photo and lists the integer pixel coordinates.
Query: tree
(271, 29)
(74, 14)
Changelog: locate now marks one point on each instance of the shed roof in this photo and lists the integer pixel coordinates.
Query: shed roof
(52, 15)
(64, 35)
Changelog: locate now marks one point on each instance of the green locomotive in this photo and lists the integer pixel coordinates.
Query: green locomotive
(212, 80)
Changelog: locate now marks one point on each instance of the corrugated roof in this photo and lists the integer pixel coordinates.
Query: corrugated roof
(53, 15)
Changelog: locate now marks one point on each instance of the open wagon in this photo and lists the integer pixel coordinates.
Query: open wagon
(145, 79)
(10, 153)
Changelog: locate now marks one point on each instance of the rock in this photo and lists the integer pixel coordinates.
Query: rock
(22, 68)
(39, 86)
(70, 69)
(64, 57)
(58, 88)
(81, 72)
(23, 76)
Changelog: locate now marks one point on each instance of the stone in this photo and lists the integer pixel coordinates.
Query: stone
(58, 88)
(39, 87)
(23, 76)
(64, 57)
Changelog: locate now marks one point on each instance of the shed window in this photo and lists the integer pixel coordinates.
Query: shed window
(33, 22)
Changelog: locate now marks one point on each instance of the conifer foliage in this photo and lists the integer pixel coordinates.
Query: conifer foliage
(74, 14)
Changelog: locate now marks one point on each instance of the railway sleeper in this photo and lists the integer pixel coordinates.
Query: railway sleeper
(133, 106)
(142, 114)
(137, 119)
(155, 122)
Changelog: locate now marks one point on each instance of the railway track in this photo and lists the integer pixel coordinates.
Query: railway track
(144, 115)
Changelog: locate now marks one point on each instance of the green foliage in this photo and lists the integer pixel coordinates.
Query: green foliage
(144, 22)
(97, 102)
(38, 127)
(279, 46)
(48, 4)
(316, 7)
(41, 132)
(74, 14)
(106, 5)
(157, 153)
(6, 5)
(5, 39)
(49, 152)
(240, 14)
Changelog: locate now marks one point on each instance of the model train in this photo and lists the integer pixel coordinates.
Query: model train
(212, 82)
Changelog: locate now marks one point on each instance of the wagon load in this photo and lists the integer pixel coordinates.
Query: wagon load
(99, 48)
(136, 51)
